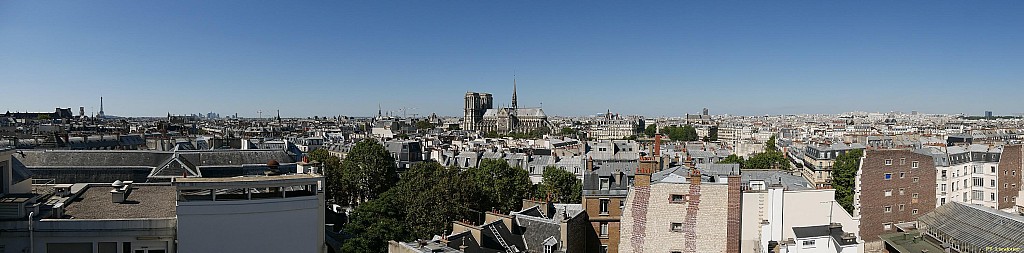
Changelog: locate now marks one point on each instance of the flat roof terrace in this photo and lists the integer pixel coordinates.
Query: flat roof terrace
(144, 201)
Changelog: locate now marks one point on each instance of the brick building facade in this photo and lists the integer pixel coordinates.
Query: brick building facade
(893, 186)
(1010, 176)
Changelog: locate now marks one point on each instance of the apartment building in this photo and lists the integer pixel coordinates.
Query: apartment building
(977, 174)
(679, 210)
(892, 187)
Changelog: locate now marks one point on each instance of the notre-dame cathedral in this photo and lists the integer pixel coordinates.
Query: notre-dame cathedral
(482, 116)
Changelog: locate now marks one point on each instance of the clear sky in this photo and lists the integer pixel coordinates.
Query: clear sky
(148, 58)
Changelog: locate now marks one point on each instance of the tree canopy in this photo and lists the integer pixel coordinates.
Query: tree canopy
(334, 191)
(503, 187)
(771, 158)
(733, 159)
(683, 133)
(563, 186)
(651, 130)
(367, 172)
(429, 197)
(423, 125)
(844, 172)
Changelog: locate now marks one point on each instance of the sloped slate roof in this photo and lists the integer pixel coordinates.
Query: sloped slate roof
(235, 157)
(92, 158)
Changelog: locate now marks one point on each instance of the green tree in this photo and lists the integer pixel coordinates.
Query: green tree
(843, 173)
(367, 171)
(733, 159)
(712, 134)
(563, 186)
(683, 133)
(422, 204)
(567, 131)
(335, 189)
(769, 146)
(651, 130)
(503, 187)
(432, 196)
(424, 124)
(767, 161)
(689, 133)
(373, 223)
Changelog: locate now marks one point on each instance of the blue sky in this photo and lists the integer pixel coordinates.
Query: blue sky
(575, 57)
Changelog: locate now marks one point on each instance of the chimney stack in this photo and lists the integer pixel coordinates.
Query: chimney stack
(657, 145)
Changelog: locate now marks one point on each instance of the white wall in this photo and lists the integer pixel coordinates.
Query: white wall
(264, 225)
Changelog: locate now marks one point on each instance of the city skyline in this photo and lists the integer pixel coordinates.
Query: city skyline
(149, 59)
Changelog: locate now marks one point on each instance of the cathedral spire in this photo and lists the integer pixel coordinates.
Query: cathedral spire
(515, 105)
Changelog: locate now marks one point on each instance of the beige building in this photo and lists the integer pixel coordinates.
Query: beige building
(676, 211)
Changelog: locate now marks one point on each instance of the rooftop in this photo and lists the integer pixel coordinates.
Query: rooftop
(910, 242)
(823, 230)
(144, 201)
(243, 179)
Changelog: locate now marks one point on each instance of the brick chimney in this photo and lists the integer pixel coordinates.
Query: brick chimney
(657, 145)
(590, 163)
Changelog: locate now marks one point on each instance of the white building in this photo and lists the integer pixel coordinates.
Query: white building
(250, 214)
(799, 221)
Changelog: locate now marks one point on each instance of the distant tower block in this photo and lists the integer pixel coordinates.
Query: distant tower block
(81, 111)
(705, 111)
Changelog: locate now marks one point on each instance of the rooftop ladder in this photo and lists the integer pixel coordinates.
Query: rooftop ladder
(501, 240)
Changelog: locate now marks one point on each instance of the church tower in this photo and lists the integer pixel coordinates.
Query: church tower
(515, 104)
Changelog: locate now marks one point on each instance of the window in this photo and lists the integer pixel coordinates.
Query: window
(901, 191)
(942, 187)
(604, 229)
(676, 227)
(548, 249)
(915, 195)
(604, 206)
(809, 243)
(888, 193)
(902, 174)
(106, 247)
(69, 247)
(887, 226)
(901, 207)
(943, 174)
(993, 169)
(903, 161)
(888, 176)
(942, 201)
(888, 161)
(914, 164)
(604, 248)
(1006, 185)
(622, 205)
(992, 183)
(978, 182)
(917, 179)
(677, 198)
(992, 196)
(913, 211)
(888, 209)
(605, 183)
